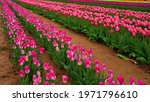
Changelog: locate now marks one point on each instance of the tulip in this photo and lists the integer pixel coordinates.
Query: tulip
(132, 81)
(64, 79)
(87, 63)
(46, 66)
(120, 80)
(101, 83)
(27, 69)
(79, 62)
(103, 67)
(41, 50)
(109, 81)
(110, 73)
(46, 83)
(140, 82)
(97, 68)
(21, 73)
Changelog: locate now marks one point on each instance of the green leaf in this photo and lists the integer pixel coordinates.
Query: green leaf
(142, 59)
(122, 56)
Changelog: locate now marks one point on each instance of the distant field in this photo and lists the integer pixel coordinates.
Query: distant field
(129, 0)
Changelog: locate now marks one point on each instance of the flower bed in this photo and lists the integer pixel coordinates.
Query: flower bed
(128, 35)
(26, 53)
(73, 58)
(114, 3)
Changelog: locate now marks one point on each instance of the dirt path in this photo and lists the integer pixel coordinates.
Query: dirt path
(105, 55)
(8, 72)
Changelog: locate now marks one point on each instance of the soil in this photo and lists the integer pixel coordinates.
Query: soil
(8, 71)
(106, 55)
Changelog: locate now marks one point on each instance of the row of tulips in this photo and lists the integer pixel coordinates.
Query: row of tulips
(26, 53)
(105, 11)
(102, 16)
(74, 59)
(136, 46)
(119, 18)
(114, 3)
(108, 4)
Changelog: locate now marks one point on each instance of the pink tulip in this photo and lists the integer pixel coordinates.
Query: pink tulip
(110, 73)
(41, 50)
(53, 76)
(97, 68)
(39, 79)
(34, 78)
(21, 73)
(120, 80)
(87, 63)
(65, 79)
(140, 82)
(117, 28)
(103, 67)
(96, 62)
(109, 81)
(27, 69)
(46, 66)
(48, 76)
(36, 62)
(46, 83)
(101, 83)
(79, 62)
(132, 81)
(90, 52)
(62, 45)
(36, 82)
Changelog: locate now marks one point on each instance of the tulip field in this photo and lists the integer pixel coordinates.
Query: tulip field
(46, 55)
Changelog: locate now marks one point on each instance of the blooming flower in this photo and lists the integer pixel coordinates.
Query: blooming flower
(79, 62)
(132, 81)
(109, 81)
(46, 66)
(103, 67)
(21, 73)
(48, 76)
(96, 62)
(22, 52)
(110, 73)
(90, 52)
(41, 50)
(140, 82)
(53, 76)
(97, 68)
(101, 83)
(87, 62)
(120, 80)
(27, 69)
(46, 83)
(65, 79)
